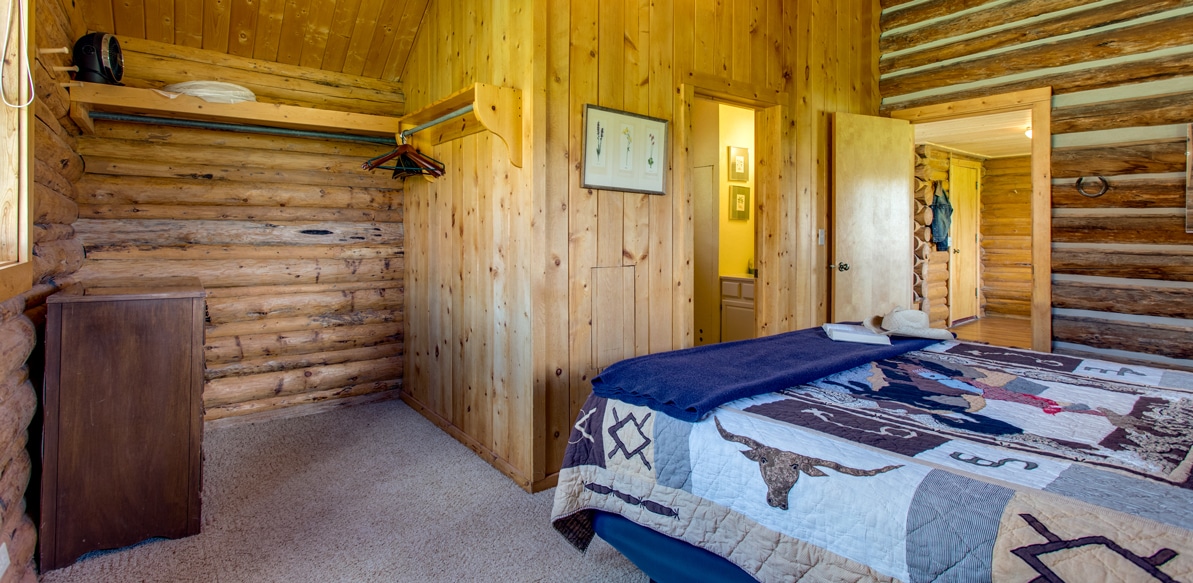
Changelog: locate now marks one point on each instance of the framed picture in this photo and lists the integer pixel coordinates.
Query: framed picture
(624, 151)
(739, 203)
(739, 164)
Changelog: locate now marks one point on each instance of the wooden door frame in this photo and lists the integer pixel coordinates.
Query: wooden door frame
(1039, 101)
(767, 191)
(973, 165)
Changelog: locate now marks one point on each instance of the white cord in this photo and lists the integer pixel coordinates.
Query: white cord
(22, 20)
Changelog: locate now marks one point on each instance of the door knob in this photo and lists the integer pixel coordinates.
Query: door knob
(956, 251)
(839, 266)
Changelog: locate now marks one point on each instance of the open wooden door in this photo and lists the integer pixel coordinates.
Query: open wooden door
(871, 256)
(964, 178)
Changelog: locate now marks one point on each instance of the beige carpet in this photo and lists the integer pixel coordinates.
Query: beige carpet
(368, 493)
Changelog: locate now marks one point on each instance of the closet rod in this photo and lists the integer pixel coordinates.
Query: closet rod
(457, 113)
(235, 127)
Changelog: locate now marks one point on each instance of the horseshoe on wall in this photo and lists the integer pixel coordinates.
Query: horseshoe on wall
(1103, 190)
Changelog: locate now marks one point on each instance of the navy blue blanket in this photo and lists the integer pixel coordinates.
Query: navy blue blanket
(687, 384)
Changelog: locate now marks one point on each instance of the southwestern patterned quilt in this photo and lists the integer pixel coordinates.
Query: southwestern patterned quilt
(958, 462)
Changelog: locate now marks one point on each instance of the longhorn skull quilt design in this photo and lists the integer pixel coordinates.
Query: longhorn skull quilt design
(958, 462)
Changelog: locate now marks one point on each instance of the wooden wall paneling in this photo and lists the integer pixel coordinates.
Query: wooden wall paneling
(1130, 40)
(1061, 24)
(1132, 297)
(297, 25)
(1104, 237)
(129, 17)
(242, 28)
(636, 207)
(1006, 260)
(217, 24)
(100, 16)
(269, 29)
(551, 137)
(582, 206)
(666, 39)
(1125, 192)
(188, 24)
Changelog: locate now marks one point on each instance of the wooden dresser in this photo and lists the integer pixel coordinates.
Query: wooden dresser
(123, 416)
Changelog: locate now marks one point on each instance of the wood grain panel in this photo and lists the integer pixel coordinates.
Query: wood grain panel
(1094, 17)
(1124, 113)
(1007, 181)
(1130, 40)
(1118, 159)
(1164, 230)
(1170, 341)
(1152, 193)
(1124, 298)
(1158, 264)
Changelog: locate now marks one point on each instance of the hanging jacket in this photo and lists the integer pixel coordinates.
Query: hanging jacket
(942, 218)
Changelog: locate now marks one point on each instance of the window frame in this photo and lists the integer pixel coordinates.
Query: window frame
(16, 277)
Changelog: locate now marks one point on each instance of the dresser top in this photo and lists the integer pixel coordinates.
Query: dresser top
(109, 290)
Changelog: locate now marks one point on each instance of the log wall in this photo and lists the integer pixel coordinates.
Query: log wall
(300, 250)
(56, 254)
(1120, 76)
(1006, 246)
(514, 270)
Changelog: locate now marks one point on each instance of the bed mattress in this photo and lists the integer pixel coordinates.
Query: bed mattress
(956, 462)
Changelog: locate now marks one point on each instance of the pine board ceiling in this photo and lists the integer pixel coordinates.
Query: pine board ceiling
(990, 136)
(369, 38)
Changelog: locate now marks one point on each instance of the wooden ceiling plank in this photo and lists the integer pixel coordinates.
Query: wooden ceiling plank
(318, 32)
(294, 27)
(217, 22)
(242, 28)
(129, 16)
(159, 20)
(340, 34)
(269, 29)
(98, 15)
(383, 37)
(362, 36)
(412, 18)
(188, 23)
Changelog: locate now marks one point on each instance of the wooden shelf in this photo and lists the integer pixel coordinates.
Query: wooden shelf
(88, 97)
(496, 109)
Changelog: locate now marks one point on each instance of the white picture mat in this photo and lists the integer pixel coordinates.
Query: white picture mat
(624, 151)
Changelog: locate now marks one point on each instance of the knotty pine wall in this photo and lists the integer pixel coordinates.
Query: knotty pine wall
(518, 278)
(1122, 264)
(56, 253)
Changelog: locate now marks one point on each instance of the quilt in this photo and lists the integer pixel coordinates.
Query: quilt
(957, 462)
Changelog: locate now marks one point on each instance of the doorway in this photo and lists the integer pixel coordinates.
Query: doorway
(966, 126)
(723, 216)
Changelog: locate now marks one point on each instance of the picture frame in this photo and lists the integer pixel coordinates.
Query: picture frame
(739, 164)
(624, 151)
(739, 203)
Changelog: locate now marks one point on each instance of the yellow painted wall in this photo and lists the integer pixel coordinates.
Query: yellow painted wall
(737, 237)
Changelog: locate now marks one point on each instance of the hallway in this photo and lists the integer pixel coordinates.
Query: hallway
(996, 330)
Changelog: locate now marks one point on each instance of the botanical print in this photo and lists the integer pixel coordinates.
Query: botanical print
(627, 148)
(600, 145)
(651, 167)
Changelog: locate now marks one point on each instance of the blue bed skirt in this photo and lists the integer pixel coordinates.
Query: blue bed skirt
(662, 558)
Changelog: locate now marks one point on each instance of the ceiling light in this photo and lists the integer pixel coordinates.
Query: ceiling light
(1028, 133)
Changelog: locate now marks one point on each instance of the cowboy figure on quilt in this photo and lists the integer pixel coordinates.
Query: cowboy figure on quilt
(956, 462)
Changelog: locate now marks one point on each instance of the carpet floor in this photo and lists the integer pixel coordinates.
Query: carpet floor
(367, 493)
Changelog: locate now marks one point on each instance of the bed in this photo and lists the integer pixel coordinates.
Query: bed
(928, 461)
